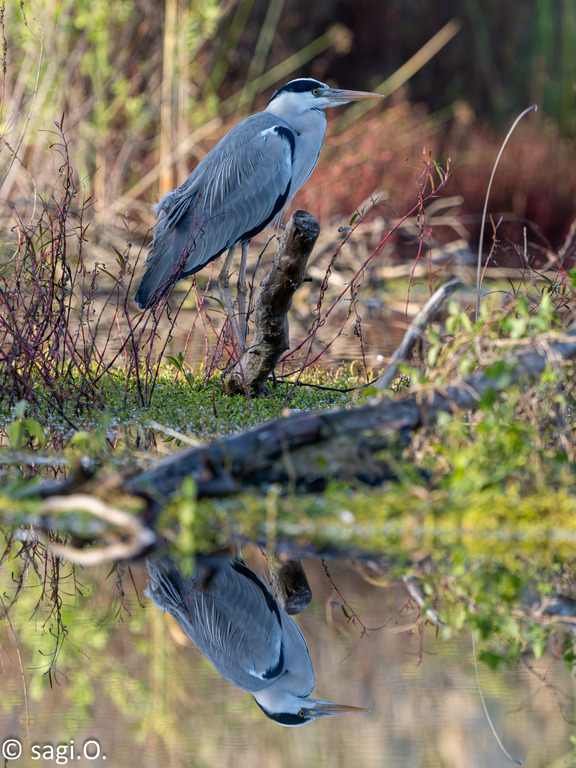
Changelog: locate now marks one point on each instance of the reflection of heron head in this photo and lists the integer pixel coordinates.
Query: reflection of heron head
(293, 711)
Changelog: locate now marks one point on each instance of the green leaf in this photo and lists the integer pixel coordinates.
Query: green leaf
(15, 432)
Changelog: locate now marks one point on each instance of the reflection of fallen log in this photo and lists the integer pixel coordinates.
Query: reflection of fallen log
(306, 450)
(129, 538)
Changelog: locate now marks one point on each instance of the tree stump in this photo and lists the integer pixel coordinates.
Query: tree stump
(271, 333)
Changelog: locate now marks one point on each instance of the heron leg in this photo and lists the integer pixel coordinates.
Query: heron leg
(224, 285)
(242, 290)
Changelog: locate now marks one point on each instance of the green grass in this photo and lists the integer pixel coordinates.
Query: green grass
(185, 403)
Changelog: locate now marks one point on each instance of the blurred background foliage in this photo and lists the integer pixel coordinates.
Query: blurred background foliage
(146, 88)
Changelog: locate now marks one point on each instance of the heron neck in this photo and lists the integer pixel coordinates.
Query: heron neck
(309, 128)
(279, 697)
(311, 122)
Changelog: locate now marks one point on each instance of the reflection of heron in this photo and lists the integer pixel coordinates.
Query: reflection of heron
(234, 620)
(242, 185)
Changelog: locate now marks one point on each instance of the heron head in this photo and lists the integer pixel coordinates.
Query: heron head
(301, 710)
(306, 93)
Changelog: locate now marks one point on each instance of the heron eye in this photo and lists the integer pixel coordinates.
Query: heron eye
(302, 713)
(315, 92)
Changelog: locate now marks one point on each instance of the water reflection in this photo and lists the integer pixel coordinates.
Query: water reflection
(239, 625)
(126, 675)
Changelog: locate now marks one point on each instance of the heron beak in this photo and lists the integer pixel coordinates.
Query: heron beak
(328, 708)
(343, 97)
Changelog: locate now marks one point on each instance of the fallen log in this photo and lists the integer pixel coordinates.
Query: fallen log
(304, 451)
(416, 330)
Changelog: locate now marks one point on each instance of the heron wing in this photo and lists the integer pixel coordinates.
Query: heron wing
(230, 616)
(241, 186)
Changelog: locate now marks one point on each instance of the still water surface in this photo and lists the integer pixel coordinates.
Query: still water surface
(128, 685)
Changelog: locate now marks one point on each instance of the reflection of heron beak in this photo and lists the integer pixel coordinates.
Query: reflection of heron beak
(327, 708)
(341, 97)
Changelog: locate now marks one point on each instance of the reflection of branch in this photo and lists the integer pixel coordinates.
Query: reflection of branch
(417, 594)
(51, 583)
(486, 713)
(139, 537)
(122, 594)
(22, 673)
(557, 694)
(353, 616)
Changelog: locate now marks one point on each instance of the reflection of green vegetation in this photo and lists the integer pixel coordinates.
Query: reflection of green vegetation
(479, 556)
(119, 663)
(88, 648)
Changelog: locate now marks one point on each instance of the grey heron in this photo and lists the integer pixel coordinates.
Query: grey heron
(243, 185)
(234, 620)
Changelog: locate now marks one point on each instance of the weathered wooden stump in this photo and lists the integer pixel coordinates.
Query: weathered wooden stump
(274, 299)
